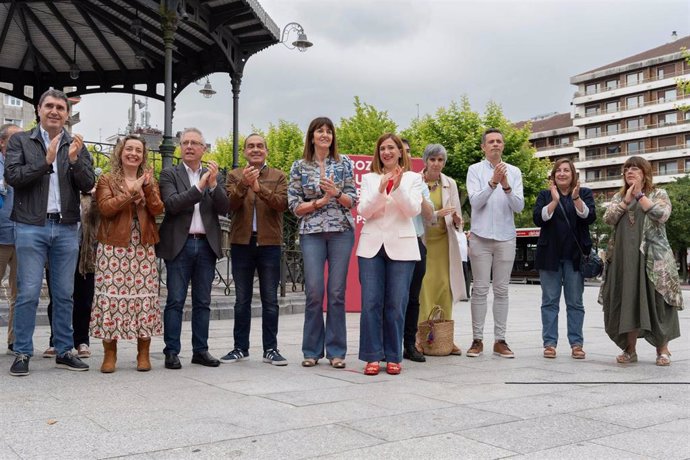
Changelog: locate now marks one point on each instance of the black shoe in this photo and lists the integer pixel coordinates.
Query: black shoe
(274, 357)
(205, 359)
(20, 366)
(172, 361)
(235, 356)
(10, 349)
(413, 354)
(70, 362)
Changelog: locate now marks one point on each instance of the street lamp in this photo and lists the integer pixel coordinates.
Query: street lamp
(74, 68)
(207, 91)
(302, 43)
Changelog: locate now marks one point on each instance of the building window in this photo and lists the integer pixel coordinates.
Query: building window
(11, 101)
(670, 118)
(687, 165)
(594, 131)
(592, 175)
(612, 107)
(612, 129)
(687, 140)
(611, 84)
(667, 95)
(633, 78)
(14, 121)
(593, 153)
(633, 124)
(613, 172)
(668, 167)
(613, 150)
(540, 143)
(665, 71)
(633, 102)
(635, 147)
(591, 110)
(666, 143)
(591, 88)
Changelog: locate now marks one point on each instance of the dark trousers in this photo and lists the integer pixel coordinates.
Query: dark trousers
(247, 259)
(412, 312)
(468, 278)
(81, 311)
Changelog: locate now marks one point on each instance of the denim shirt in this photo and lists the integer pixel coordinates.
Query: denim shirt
(418, 220)
(304, 187)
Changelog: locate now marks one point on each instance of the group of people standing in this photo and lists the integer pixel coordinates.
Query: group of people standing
(409, 251)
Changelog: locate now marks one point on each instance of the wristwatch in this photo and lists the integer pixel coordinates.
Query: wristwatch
(639, 195)
(493, 184)
(340, 193)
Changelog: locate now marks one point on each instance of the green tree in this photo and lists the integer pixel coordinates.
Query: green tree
(679, 222)
(285, 143)
(358, 134)
(600, 230)
(459, 129)
(221, 152)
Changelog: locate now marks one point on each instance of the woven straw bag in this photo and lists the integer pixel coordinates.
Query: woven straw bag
(435, 335)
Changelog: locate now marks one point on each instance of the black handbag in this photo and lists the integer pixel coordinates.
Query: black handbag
(591, 264)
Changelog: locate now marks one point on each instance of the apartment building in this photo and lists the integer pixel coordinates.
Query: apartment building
(14, 110)
(631, 107)
(628, 107)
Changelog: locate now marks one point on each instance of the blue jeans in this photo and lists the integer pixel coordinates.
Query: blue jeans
(58, 244)
(317, 248)
(573, 285)
(196, 262)
(246, 259)
(385, 290)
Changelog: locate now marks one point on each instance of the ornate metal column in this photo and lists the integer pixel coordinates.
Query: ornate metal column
(168, 26)
(236, 81)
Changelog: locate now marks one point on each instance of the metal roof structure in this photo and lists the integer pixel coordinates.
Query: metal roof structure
(127, 46)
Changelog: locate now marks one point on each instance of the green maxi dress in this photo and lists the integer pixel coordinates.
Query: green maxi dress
(629, 298)
(436, 283)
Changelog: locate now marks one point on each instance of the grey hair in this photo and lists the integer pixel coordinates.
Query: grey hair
(5, 130)
(491, 131)
(193, 130)
(435, 150)
(56, 93)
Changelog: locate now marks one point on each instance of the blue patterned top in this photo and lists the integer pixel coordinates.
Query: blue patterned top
(304, 187)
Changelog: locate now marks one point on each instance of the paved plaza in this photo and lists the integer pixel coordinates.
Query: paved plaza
(449, 407)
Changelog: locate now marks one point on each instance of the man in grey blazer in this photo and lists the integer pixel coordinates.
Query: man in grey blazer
(190, 244)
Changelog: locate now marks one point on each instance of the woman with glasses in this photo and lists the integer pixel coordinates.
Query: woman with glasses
(641, 289)
(125, 303)
(321, 193)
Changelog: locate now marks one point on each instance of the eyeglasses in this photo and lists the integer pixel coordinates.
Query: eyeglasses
(631, 168)
(192, 143)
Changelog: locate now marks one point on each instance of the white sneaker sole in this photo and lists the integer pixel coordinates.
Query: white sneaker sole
(275, 363)
(504, 356)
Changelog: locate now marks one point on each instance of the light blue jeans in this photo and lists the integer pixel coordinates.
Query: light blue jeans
(58, 244)
(573, 285)
(317, 248)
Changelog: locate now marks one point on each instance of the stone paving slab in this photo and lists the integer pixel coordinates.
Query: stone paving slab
(449, 407)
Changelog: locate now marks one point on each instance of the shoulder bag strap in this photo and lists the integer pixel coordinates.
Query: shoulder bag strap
(571, 228)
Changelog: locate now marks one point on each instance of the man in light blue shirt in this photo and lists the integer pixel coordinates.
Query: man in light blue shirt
(492, 242)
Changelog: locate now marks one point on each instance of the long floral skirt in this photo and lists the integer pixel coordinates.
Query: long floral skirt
(125, 304)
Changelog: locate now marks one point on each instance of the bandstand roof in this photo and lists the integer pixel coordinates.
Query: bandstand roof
(37, 40)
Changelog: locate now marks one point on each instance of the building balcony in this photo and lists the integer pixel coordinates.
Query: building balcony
(618, 158)
(639, 132)
(623, 89)
(658, 105)
(556, 150)
(616, 181)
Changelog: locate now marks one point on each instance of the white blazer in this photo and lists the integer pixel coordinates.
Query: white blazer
(389, 217)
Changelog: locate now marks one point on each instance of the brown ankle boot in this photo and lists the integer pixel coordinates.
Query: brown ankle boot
(110, 356)
(143, 361)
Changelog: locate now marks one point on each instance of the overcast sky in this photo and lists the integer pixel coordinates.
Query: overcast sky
(398, 55)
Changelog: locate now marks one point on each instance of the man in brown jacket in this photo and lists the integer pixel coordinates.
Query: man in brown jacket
(258, 198)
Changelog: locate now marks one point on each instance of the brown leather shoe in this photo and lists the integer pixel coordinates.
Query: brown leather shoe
(577, 352)
(549, 352)
(501, 349)
(476, 349)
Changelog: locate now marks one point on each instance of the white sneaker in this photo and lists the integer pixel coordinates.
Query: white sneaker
(83, 351)
(50, 352)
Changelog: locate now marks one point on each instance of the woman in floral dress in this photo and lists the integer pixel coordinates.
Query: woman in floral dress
(126, 293)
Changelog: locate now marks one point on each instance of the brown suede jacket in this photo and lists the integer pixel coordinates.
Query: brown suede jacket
(115, 204)
(270, 202)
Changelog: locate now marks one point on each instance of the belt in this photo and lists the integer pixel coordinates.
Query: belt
(196, 236)
(56, 216)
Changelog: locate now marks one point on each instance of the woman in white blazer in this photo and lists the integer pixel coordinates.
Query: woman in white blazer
(390, 196)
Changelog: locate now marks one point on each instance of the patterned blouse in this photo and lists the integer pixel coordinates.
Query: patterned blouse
(304, 187)
(660, 262)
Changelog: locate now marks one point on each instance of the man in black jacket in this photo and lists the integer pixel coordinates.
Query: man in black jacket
(47, 168)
